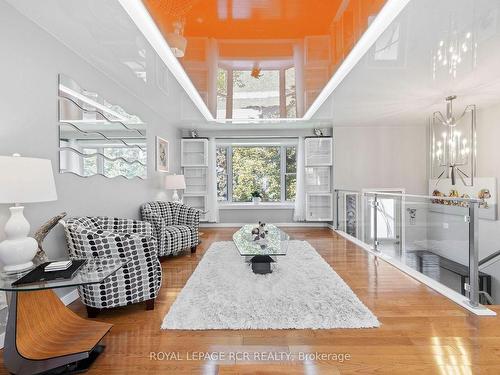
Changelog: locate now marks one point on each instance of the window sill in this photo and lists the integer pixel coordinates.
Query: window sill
(260, 206)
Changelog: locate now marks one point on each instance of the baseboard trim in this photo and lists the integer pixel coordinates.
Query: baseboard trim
(66, 299)
(236, 225)
(431, 283)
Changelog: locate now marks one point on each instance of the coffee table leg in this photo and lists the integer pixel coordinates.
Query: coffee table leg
(261, 264)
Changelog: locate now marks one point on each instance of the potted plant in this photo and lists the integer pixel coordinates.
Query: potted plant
(256, 197)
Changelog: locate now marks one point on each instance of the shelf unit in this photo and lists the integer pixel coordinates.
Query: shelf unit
(318, 178)
(194, 162)
(319, 151)
(196, 201)
(319, 207)
(194, 152)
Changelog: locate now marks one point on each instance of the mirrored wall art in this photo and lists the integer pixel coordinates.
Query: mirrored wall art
(97, 137)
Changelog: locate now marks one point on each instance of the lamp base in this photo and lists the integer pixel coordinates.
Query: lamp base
(18, 250)
(175, 197)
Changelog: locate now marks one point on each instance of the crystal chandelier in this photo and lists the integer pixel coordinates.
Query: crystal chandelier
(453, 150)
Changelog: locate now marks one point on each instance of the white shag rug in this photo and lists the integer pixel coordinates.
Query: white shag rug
(302, 292)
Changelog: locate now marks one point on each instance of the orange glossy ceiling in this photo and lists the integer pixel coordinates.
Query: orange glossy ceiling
(243, 19)
(224, 32)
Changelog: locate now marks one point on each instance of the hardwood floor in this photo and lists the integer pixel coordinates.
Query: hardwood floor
(421, 333)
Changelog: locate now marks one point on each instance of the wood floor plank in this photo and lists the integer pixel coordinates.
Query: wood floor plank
(421, 332)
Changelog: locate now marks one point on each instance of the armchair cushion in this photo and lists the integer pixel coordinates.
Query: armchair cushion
(138, 280)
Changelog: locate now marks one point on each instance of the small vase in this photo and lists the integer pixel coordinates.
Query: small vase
(256, 200)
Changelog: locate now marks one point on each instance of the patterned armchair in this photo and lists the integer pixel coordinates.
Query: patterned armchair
(175, 226)
(139, 280)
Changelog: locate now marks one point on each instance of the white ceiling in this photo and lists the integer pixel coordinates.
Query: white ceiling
(397, 91)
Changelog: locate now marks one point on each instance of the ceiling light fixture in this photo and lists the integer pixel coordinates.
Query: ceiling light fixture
(453, 151)
(144, 22)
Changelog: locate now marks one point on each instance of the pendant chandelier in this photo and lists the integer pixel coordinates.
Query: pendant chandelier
(453, 149)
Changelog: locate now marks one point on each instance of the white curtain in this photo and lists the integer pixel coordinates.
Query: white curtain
(212, 203)
(299, 213)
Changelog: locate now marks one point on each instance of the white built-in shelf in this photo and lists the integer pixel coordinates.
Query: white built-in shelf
(194, 152)
(318, 179)
(319, 207)
(319, 151)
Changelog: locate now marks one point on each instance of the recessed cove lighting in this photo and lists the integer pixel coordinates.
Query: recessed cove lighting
(149, 21)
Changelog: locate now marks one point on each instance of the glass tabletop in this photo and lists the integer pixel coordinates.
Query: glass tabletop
(275, 243)
(94, 271)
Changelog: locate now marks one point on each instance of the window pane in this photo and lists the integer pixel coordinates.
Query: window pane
(258, 96)
(290, 93)
(290, 186)
(221, 93)
(256, 169)
(221, 158)
(291, 159)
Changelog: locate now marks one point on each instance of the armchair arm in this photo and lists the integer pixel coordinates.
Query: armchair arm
(188, 216)
(119, 225)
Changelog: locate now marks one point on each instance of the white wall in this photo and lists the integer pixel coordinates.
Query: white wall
(31, 61)
(380, 157)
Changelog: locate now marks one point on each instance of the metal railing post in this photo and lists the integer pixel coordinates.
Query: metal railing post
(375, 224)
(337, 222)
(473, 286)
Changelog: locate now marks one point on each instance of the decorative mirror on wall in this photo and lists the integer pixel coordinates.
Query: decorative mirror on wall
(97, 137)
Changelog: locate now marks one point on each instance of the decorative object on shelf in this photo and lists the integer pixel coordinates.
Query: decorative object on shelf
(97, 137)
(175, 182)
(318, 132)
(485, 188)
(194, 133)
(162, 159)
(453, 145)
(256, 197)
(259, 232)
(42, 232)
(22, 180)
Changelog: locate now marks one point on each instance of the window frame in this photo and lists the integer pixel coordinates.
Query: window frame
(283, 173)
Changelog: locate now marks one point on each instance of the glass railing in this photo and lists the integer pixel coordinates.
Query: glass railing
(435, 236)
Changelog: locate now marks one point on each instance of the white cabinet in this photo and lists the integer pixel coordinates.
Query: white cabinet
(196, 180)
(196, 201)
(319, 207)
(318, 179)
(194, 162)
(318, 151)
(194, 152)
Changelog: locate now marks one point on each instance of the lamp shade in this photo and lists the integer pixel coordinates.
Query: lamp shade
(175, 181)
(25, 180)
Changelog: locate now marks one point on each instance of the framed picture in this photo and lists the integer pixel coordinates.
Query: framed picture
(162, 159)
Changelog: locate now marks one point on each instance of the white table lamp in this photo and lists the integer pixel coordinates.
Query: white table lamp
(22, 180)
(174, 182)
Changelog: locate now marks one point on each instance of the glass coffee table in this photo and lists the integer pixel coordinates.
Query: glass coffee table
(263, 252)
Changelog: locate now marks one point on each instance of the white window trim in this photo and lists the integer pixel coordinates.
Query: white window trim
(282, 203)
